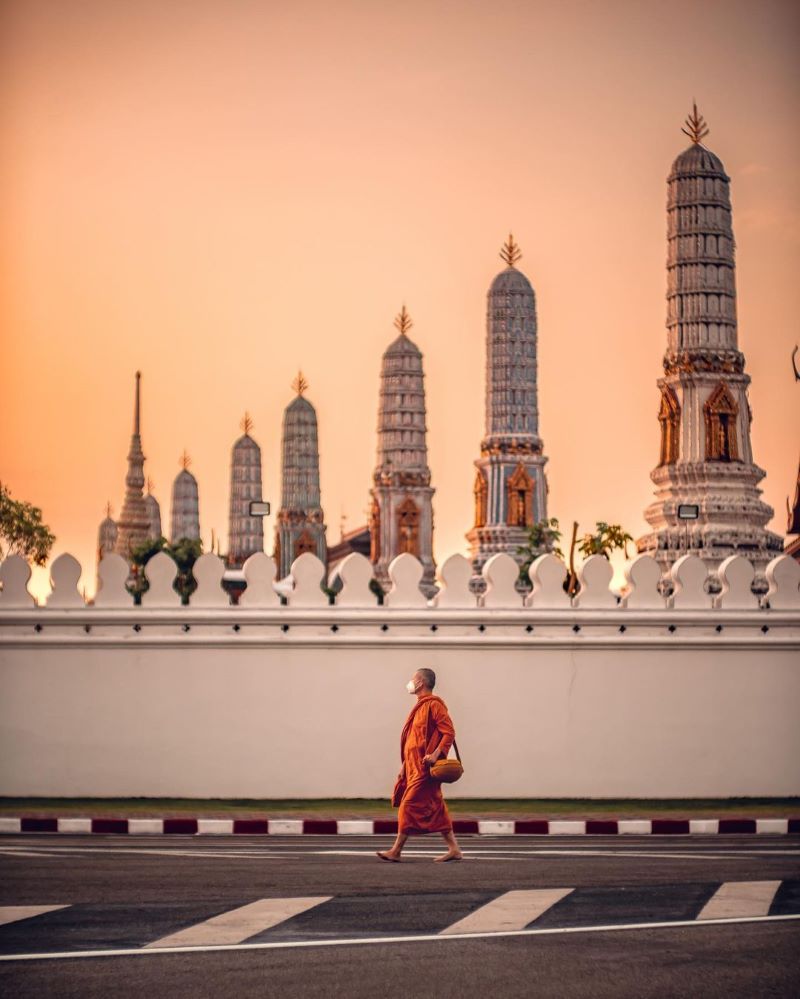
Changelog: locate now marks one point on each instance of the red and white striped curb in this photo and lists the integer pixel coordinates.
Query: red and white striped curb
(370, 827)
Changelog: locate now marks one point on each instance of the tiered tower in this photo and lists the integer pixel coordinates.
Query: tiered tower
(153, 511)
(133, 526)
(185, 521)
(706, 460)
(301, 522)
(510, 485)
(401, 513)
(245, 533)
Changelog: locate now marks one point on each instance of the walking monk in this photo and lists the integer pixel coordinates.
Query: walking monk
(427, 735)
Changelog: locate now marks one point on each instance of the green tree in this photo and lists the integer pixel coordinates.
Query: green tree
(184, 553)
(543, 536)
(22, 531)
(606, 538)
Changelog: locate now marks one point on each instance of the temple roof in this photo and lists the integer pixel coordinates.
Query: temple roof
(246, 443)
(696, 159)
(300, 405)
(402, 345)
(185, 477)
(511, 280)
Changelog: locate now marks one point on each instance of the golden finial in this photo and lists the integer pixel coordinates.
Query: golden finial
(300, 384)
(402, 321)
(150, 484)
(185, 459)
(108, 509)
(247, 423)
(511, 252)
(697, 128)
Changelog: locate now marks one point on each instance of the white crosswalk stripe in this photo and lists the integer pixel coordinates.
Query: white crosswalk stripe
(511, 911)
(239, 924)
(13, 913)
(740, 898)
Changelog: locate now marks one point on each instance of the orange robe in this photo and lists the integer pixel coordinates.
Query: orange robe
(422, 807)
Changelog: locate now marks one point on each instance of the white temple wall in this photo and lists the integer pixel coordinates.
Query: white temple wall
(602, 695)
(297, 721)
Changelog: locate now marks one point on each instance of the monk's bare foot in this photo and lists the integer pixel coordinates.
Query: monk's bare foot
(446, 857)
(388, 856)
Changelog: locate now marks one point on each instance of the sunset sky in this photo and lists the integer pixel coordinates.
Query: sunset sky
(221, 193)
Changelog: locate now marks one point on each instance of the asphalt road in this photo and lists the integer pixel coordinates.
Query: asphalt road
(322, 916)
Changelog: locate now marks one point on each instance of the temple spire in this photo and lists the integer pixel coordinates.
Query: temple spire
(696, 127)
(245, 533)
(705, 458)
(134, 522)
(511, 252)
(401, 515)
(300, 526)
(185, 514)
(510, 488)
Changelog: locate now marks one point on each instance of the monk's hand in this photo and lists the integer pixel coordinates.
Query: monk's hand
(430, 759)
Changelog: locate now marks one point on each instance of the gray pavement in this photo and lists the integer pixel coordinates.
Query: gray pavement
(316, 915)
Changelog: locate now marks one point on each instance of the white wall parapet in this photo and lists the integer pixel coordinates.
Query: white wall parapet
(304, 586)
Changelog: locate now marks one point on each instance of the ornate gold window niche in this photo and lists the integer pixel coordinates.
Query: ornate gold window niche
(721, 412)
(408, 527)
(481, 493)
(520, 498)
(374, 531)
(669, 416)
(305, 543)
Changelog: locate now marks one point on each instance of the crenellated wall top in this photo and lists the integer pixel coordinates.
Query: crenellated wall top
(297, 608)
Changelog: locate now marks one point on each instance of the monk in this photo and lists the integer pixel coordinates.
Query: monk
(427, 735)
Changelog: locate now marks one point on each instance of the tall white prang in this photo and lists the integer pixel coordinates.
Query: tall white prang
(245, 533)
(706, 460)
(300, 524)
(510, 484)
(401, 512)
(185, 519)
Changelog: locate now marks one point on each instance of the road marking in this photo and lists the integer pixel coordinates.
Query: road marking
(511, 911)
(25, 853)
(483, 853)
(13, 913)
(238, 924)
(740, 898)
(367, 941)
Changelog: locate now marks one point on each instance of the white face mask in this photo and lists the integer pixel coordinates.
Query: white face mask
(411, 687)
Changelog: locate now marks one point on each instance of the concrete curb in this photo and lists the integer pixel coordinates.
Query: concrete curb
(369, 827)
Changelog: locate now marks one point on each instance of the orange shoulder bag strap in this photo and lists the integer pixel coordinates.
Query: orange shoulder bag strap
(455, 744)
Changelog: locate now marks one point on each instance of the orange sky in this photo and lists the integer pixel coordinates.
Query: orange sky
(219, 193)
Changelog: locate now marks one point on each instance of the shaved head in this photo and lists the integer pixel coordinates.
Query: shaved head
(428, 677)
